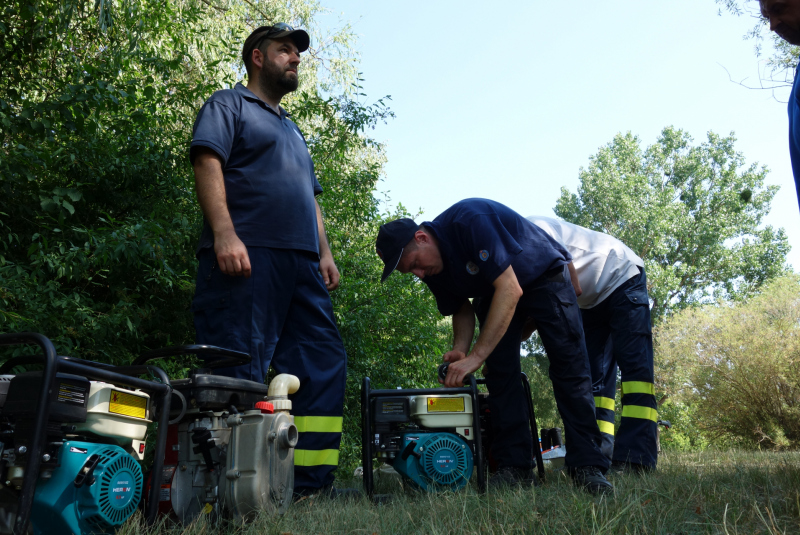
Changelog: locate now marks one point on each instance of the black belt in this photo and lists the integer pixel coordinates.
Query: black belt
(555, 274)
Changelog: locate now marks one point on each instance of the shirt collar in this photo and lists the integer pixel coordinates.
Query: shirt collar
(249, 95)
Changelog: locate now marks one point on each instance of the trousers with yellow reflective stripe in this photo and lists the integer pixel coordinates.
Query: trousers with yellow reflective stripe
(619, 337)
(282, 316)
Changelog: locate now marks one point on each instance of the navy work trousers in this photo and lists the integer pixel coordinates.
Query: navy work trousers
(281, 315)
(553, 305)
(618, 333)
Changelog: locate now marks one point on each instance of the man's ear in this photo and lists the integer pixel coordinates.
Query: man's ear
(257, 58)
(421, 237)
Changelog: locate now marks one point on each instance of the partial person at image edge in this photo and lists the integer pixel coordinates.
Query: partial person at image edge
(784, 20)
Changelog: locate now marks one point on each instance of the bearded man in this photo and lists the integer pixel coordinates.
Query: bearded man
(265, 267)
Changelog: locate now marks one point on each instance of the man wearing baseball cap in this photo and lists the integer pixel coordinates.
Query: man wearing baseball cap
(479, 248)
(265, 267)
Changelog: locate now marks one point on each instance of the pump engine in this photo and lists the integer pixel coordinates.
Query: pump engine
(428, 439)
(432, 437)
(230, 449)
(89, 479)
(428, 436)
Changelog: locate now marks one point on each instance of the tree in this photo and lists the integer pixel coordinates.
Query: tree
(95, 204)
(693, 213)
(738, 365)
(98, 220)
(782, 62)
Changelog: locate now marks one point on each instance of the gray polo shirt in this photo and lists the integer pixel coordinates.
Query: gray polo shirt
(270, 183)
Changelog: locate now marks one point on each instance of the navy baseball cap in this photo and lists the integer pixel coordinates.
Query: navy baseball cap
(276, 31)
(392, 239)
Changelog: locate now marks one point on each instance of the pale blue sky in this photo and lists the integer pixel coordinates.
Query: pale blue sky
(508, 101)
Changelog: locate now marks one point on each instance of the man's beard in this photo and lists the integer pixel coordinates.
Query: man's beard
(790, 35)
(275, 82)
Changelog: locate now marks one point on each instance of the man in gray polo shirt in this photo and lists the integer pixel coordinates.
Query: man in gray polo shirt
(265, 267)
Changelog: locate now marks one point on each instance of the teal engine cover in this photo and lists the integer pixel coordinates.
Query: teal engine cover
(435, 461)
(101, 504)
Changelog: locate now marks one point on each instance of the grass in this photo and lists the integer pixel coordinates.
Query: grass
(711, 492)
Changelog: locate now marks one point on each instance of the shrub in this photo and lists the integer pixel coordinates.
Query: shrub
(738, 365)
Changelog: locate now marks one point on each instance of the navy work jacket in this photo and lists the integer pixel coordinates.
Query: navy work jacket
(478, 240)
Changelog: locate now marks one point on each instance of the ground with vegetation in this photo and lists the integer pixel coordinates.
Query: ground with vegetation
(712, 492)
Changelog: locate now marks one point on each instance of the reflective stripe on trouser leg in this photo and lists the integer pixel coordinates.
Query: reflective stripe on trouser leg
(604, 403)
(637, 411)
(312, 458)
(318, 424)
(604, 409)
(638, 387)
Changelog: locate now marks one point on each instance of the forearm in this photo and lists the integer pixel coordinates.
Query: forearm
(463, 327)
(573, 275)
(501, 310)
(210, 188)
(324, 247)
(231, 253)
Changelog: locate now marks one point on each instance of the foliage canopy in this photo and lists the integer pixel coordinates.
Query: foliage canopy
(692, 212)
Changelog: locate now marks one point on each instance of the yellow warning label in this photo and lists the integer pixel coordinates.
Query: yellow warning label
(445, 404)
(128, 404)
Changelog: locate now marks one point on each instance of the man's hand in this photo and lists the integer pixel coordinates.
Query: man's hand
(327, 267)
(460, 368)
(573, 276)
(231, 254)
(329, 272)
(454, 356)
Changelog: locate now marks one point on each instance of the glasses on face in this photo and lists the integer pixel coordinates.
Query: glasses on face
(276, 28)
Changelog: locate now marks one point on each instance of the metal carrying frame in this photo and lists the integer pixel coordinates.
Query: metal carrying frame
(368, 394)
(120, 375)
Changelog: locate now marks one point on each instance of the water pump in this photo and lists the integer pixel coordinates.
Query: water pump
(230, 448)
(428, 436)
(433, 437)
(85, 474)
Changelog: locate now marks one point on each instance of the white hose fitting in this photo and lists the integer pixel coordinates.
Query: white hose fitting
(280, 388)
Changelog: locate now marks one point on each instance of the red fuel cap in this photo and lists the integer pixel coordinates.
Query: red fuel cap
(265, 406)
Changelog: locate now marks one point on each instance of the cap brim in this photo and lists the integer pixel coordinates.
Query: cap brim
(391, 265)
(300, 38)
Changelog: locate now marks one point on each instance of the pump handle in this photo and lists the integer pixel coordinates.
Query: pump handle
(212, 356)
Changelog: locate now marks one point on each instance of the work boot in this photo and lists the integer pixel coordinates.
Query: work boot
(591, 479)
(327, 492)
(619, 468)
(512, 476)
